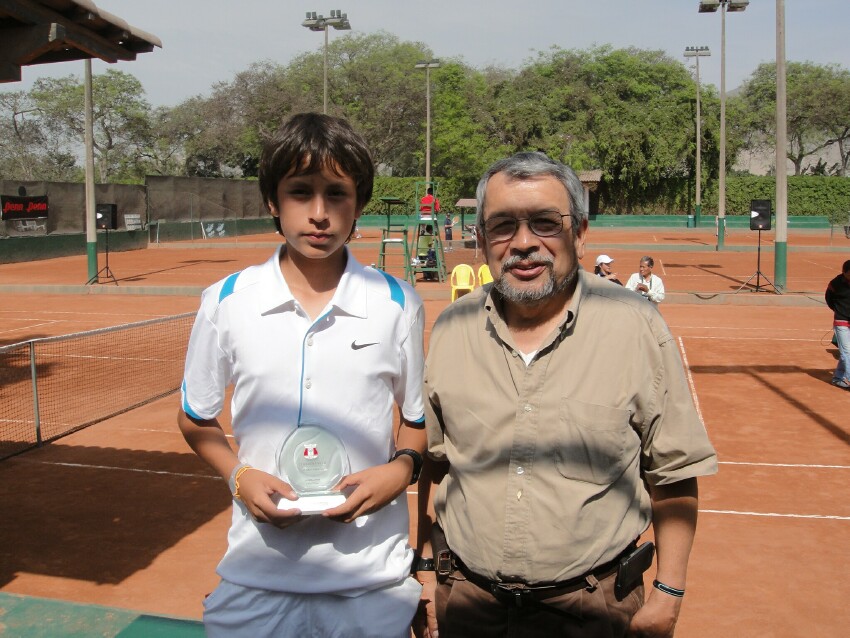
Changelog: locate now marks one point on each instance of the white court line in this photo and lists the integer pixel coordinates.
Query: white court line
(767, 338)
(691, 381)
(30, 327)
(174, 431)
(123, 469)
(777, 515)
(803, 465)
(663, 270)
(814, 263)
(766, 514)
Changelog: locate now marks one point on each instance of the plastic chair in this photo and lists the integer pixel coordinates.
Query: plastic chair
(484, 275)
(462, 279)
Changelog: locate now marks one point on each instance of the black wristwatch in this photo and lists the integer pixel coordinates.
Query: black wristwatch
(417, 462)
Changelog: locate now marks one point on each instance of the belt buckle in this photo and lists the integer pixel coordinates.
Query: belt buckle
(444, 563)
(509, 593)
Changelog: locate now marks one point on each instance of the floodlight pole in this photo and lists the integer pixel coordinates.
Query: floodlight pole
(698, 52)
(780, 254)
(710, 6)
(314, 22)
(91, 227)
(432, 64)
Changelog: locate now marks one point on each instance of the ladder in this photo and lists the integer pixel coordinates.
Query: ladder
(394, 245)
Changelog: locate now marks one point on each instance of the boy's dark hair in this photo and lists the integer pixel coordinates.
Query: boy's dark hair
(307, 142)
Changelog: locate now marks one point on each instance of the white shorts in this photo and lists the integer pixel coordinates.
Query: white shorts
(233, 611)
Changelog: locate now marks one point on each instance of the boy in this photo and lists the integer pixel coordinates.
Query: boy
(311, 337)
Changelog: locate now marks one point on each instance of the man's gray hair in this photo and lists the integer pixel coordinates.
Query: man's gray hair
(528, 165)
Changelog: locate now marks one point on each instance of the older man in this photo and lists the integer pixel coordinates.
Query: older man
(560, 406)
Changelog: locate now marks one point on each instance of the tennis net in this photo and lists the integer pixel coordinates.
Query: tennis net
(53, 386)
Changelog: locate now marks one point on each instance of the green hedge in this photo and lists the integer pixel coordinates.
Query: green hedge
(808, 195)
(405, 188)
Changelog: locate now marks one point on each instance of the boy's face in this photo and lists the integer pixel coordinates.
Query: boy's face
(317, 211)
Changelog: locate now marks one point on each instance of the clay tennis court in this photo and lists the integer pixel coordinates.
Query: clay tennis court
(122, 514)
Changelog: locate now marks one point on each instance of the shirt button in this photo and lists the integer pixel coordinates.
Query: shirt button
(310, 341)
(519, 494)
(520, 470)
(309, 384)
(526, 407)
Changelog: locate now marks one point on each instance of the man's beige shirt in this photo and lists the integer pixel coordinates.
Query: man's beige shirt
(548, 461)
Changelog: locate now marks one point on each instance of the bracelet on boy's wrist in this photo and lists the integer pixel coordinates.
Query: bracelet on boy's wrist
(671, 591)
(235, 475)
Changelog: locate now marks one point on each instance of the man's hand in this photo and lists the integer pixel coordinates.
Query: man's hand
(425, 620)
(374, 488)
(657, 618)
(260, 493)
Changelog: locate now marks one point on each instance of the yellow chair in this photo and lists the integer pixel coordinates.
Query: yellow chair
(462, 279)
(484, 275)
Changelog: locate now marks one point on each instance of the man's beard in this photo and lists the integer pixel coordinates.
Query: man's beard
(541, 294)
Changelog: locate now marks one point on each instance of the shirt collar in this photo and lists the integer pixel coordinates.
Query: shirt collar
(349, 298)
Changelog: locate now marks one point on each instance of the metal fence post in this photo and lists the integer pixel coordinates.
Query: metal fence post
(36, 414)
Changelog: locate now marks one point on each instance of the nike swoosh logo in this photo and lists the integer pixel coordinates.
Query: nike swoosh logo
(359, 346)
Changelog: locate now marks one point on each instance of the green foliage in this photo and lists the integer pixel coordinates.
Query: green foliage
(405, 188)
(629, 112)
(817, 105)
(807, 195)
(121, 119)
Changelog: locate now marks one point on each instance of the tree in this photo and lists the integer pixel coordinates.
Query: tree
(27, 152)
(818, 114)
(121, 118)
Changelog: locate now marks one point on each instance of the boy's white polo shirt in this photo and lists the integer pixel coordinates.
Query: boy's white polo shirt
(346, 371)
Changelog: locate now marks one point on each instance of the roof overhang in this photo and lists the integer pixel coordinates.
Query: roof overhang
(45, 31)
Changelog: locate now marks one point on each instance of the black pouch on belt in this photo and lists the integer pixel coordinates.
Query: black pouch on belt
(631, 569)
(443, 559)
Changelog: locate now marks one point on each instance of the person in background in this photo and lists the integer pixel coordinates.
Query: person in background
(311, 338)
(603, 269)
(838, 299)
(448, 224)
(645, 283)
(548, 478)
(429, 203)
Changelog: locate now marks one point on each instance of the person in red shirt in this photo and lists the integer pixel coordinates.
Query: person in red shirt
(429, 203)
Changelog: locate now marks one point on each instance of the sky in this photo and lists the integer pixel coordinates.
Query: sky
(208, 41)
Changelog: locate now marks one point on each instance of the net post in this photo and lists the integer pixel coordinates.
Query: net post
(36, 413)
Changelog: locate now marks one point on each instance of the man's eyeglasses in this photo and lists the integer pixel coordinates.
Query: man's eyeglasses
(504, 227)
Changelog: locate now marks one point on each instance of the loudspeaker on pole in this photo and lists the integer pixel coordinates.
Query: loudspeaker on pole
(106, 216)
(760, 214)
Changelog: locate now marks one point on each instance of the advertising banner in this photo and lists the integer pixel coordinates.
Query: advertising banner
(17, 207)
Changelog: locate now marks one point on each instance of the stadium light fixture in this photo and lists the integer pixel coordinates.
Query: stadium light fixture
(317, 22)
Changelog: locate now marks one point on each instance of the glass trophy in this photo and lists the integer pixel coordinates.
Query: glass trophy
(312, 460)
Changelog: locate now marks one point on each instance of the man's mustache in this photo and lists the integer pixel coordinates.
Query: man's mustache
(526, 260)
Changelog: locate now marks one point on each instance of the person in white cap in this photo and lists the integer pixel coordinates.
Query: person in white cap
(603, 269)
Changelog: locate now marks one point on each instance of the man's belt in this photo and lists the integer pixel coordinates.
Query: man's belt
(514, 593)
(519, 593)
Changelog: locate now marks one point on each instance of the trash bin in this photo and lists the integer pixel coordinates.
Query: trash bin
(691, 221)
(847, 231)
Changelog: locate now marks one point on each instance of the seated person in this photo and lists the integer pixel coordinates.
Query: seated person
(603, 269)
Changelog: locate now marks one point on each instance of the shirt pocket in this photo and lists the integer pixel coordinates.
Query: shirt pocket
(596, 442)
